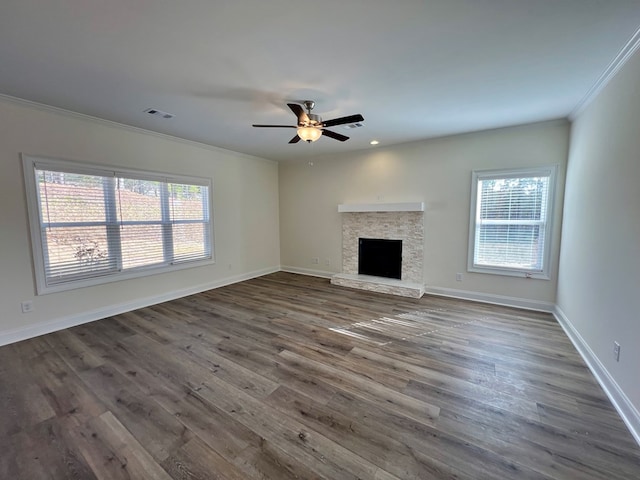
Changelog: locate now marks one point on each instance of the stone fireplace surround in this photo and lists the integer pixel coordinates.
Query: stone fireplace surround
(393, 221)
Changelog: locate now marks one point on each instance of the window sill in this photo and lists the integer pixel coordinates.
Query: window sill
(43, 289)
(510, 272)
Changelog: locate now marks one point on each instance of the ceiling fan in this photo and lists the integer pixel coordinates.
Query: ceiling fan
(310, 127)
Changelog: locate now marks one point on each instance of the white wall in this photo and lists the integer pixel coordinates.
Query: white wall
(599, 284)
(245, 219)
(437, 172)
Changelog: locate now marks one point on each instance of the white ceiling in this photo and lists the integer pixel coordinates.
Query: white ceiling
(414, 69)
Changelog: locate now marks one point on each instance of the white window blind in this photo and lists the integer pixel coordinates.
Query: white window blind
(93, 223)
(510, 228)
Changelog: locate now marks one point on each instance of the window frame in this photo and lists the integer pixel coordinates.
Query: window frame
(503, 173)
(115, 273)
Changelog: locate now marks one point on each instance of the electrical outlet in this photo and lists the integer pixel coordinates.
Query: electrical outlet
(458, 277)
(616, 351)
(27, 306)
(327, 262)
(315, 260)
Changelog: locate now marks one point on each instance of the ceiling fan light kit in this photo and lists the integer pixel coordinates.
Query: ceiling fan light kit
(309, 134)
(310, 127)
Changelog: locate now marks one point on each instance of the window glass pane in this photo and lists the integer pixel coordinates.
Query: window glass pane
(68, 197)
(513, 198)
(188, 202)
(76, 252)
(189, 241)
(512, 246)
(139, 200)
(141, 245)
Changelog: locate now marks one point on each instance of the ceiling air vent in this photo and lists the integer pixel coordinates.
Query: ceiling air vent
(159, 113)
(353, 125)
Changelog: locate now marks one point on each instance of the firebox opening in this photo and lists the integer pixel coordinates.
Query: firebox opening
(380, 257)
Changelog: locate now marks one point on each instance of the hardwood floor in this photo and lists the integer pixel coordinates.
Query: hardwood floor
(289, 377)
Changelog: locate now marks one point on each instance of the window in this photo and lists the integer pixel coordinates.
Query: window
(511, 213)
(93, 225)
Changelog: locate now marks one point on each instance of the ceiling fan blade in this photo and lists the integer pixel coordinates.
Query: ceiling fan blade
(299, 112)
(337, 136)
(275, 126)
(295, 139)
(343, 120)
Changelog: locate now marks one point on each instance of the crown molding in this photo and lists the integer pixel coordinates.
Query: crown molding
(612, 69)
(122, 126)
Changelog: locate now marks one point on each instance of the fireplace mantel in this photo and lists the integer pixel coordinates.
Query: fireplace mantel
(381, 207)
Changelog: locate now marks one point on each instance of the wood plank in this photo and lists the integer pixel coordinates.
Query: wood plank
(195, 460)
(154, 427)
(130, 455)
(438, 451)
(328, 458)
(74, 352)
(64, 391)
(213, 426)
(391, 455)
(268, 364)
(365, 388)
(22, 401)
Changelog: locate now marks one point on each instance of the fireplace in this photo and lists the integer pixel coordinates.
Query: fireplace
(380, 257)
(386, 224)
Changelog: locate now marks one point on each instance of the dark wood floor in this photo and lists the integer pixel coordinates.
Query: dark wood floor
(289, 377)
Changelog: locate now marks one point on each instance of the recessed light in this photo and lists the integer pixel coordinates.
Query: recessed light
(374, 142)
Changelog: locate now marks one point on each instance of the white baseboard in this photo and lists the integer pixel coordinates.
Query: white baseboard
(491, 298)
(24, 333)
(307, 271)
(620, 401)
